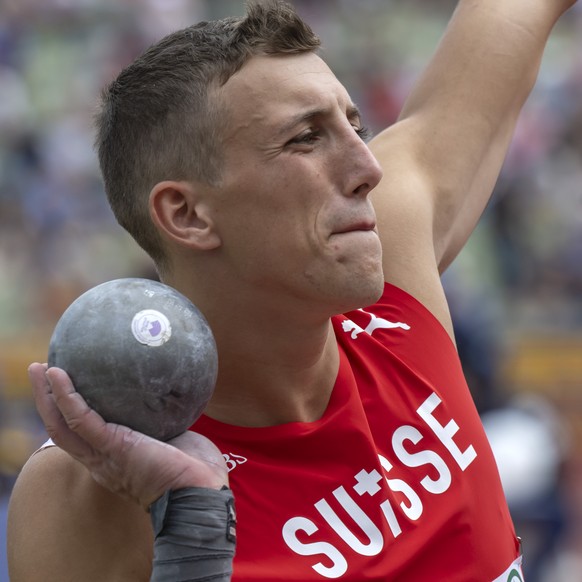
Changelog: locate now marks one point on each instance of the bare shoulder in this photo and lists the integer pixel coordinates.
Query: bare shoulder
(62, 526)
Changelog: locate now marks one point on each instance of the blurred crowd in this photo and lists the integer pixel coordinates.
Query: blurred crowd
(515, 291)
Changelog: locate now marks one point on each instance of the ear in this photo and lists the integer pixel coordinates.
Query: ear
(181, 214)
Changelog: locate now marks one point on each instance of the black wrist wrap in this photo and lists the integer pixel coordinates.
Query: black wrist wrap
(195, 534)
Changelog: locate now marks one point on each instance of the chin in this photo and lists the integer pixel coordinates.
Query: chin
(362, 292)
(372, 293)
(369, 282)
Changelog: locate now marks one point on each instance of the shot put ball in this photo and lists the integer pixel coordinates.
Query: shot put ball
(140, 353)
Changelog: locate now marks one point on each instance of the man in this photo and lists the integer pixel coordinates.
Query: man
(234, 156)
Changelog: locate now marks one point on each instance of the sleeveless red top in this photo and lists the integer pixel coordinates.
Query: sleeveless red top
(395, 482)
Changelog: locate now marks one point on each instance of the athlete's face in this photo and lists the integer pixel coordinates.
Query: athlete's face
(293, 208)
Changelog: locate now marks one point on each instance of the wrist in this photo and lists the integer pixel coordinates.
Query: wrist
(195, 535)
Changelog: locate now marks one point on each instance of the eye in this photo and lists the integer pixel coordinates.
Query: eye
(308, 137)
(364, 133)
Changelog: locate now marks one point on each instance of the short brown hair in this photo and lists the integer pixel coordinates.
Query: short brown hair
(156, 120)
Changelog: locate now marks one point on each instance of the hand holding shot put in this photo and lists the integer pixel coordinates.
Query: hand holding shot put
(124, 461)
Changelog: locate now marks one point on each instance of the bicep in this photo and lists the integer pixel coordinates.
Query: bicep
(405, 209)
(63, 527)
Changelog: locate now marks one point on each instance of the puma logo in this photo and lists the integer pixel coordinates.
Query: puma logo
(375, 323)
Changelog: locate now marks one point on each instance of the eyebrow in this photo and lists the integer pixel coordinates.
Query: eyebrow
(352, 113)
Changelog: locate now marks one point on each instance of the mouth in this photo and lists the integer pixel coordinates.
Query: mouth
(360, 226)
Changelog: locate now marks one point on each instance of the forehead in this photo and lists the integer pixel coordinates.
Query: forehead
(269, 91)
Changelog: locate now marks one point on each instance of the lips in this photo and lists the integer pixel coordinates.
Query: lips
(363, 225)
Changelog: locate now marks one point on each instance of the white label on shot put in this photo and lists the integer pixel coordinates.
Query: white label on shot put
(150, 327)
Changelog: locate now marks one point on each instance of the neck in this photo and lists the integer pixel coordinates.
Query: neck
(274, 378)
(276, 364)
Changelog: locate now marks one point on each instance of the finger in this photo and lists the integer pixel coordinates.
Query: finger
(85, 428)
(45, 403)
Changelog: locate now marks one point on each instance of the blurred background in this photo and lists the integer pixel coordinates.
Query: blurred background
(515, 292)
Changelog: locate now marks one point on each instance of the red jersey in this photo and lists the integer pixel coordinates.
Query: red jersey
(395, 482)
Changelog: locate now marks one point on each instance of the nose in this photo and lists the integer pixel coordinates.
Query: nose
(363, 171)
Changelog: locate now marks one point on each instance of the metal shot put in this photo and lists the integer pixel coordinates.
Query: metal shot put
(140, 353)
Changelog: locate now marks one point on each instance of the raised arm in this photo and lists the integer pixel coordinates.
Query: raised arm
(442, 158)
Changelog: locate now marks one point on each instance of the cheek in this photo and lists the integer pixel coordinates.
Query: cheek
(266, 247)
(279, 214)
